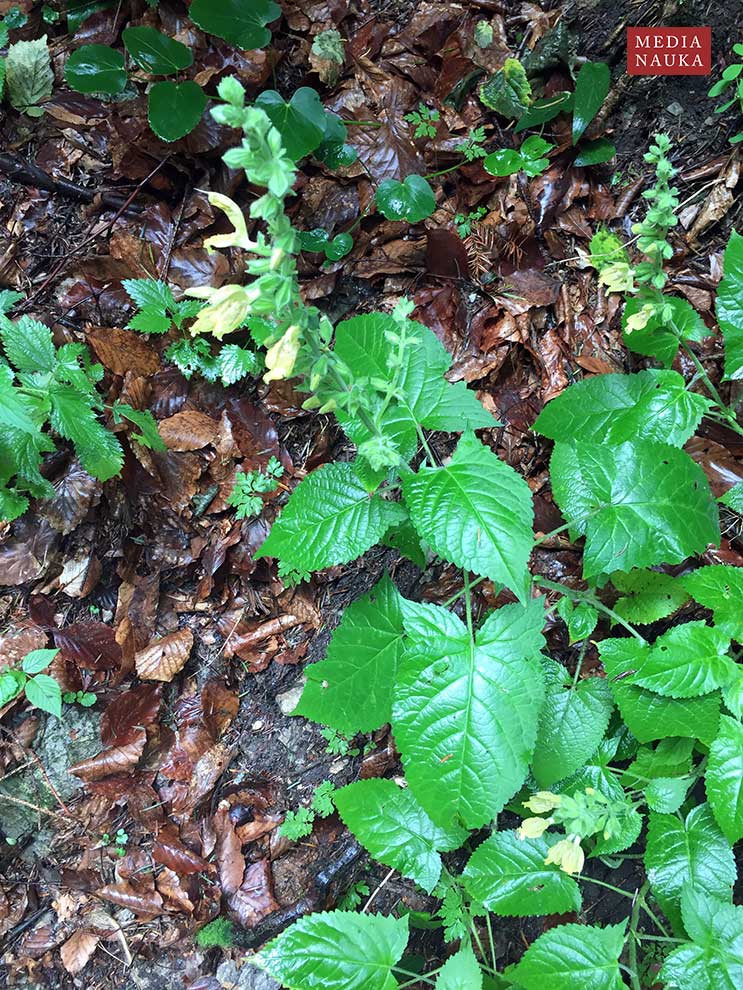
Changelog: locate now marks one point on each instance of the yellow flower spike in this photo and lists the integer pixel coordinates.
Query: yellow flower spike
(533, 828)
(618, 277)
(567, 854)
(239, 236)
(543, 801)
(639, 320)
(227, 309)
(280, 357)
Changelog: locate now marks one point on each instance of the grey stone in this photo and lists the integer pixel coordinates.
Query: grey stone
(246, 977)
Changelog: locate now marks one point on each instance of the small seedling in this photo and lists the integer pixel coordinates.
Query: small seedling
(464, 221)
(731, 79)
(298, 824)
(250, 487)
(84, 698)
(41, 690)
(425, 119)
(118, 842)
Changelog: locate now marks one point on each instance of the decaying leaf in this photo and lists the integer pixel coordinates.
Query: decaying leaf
(78, 950)
(163, 659)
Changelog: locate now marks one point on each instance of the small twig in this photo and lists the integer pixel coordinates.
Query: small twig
(374, 893)
(26, 173)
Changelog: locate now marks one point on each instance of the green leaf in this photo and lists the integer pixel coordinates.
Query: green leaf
(581, 619)
(174, 109)
(458, 408)
(12, 505)
(719, 587)
(12, 683)
(476, 512)
(460, 972)
(594, 153)
(591, 86)
(729, 306)
(544, 110)
(689, 853)
(243, 24)
(508, 91)
(571, 725)
(724, 778)
(149, 293)
(509, 877)
(638, 504)
(301, 122)
(667, 794)
(412, 199)
(503, 162)
(573, 957)
(150, 320)
(650, 405)
(96, 69)
(337, 950)
(28, 75)
(156, 52)
(72, 418)
(391, 825)
(143, 418)
(647, 595)
(465, 714)
(44, 692)
(406, 541)
(733, 498)
(236, 362)
(351, 689)
(660, 340)
(38, 660)
(28, 344)
(715, 960)
(685, 662)
(329, 519)
(650, 716)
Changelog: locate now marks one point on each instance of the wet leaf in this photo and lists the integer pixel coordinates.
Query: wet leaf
(78, 950)
(129, 713)
(96, 69)
(163, 659)
(174, 109)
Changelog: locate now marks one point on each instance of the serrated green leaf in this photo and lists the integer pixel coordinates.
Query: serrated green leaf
(351, 689)
(241, 23)
(689, 853)
(509, 877)
(591, 86)
(733, 498)
(28, 75)
(391, 825)
(666, 794)
(647, 595)
(650, 405)
(72, 418)
(724, 778)
(37, 660)
(685, 662)
(465, 714)
(236, 362)
(149, 320)
(337, 950)
(143, 418)
(669, 758)
(300, 122)
(715, 960)
(412, 199)
(571, 725)
(729, 306)
(719, 587)
(174, 109)
(329, 519)
(12, 505)
(476, 512)
(460, 972)
(660, 340)
(28, 344)
(155, 52)
(628, 833)
(44, 692)
(573, 957)
(96, 69)
(580, 619)
(458, 408)
(638, 504)
(149, 293)
(405, 539)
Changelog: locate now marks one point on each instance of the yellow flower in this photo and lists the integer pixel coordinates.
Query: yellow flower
(280, 358)
(543, 801)
(227, 309)
(639, 319)
(239, 236)
(618, 277)
(533, 828)
(567, 854)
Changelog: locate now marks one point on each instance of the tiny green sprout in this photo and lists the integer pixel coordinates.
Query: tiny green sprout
(464, 221)
(246, 496)
(297, 824)
(292, 576)
(84, 698)
(483, 34)
(337, 744)
(424, 119)
(472, 146)
(353, 897)
(732, 80)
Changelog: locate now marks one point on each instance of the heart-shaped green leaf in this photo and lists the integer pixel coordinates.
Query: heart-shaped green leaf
(243, 24)
(412, 199)
(301, 122)
(175, 108)
(156, 52)
(96, 69)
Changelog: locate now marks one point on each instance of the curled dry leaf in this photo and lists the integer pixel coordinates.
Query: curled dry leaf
(254, 899)
(77, 951)
(230, 860)
(176, 898)
(130, 712)
(190, 430)
(171, 852)
(166, 657)
(141, 901)
(117, 760)
(75, 492)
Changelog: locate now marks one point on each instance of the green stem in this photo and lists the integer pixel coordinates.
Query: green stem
(727, 413)
(634, 921)
(609, 886)
(444, 171)
(416, 977)
(458, 594)
(473, 930)
(363, 123)
(586, 596)
(493, 960)
(662, 938)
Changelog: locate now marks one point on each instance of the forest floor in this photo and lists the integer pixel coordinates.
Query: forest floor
(104, 570)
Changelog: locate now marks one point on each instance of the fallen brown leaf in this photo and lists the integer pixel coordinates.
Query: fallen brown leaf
(77, 951)
(163, 659)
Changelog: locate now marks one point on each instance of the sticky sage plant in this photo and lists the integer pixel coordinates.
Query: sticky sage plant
(485, 721)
